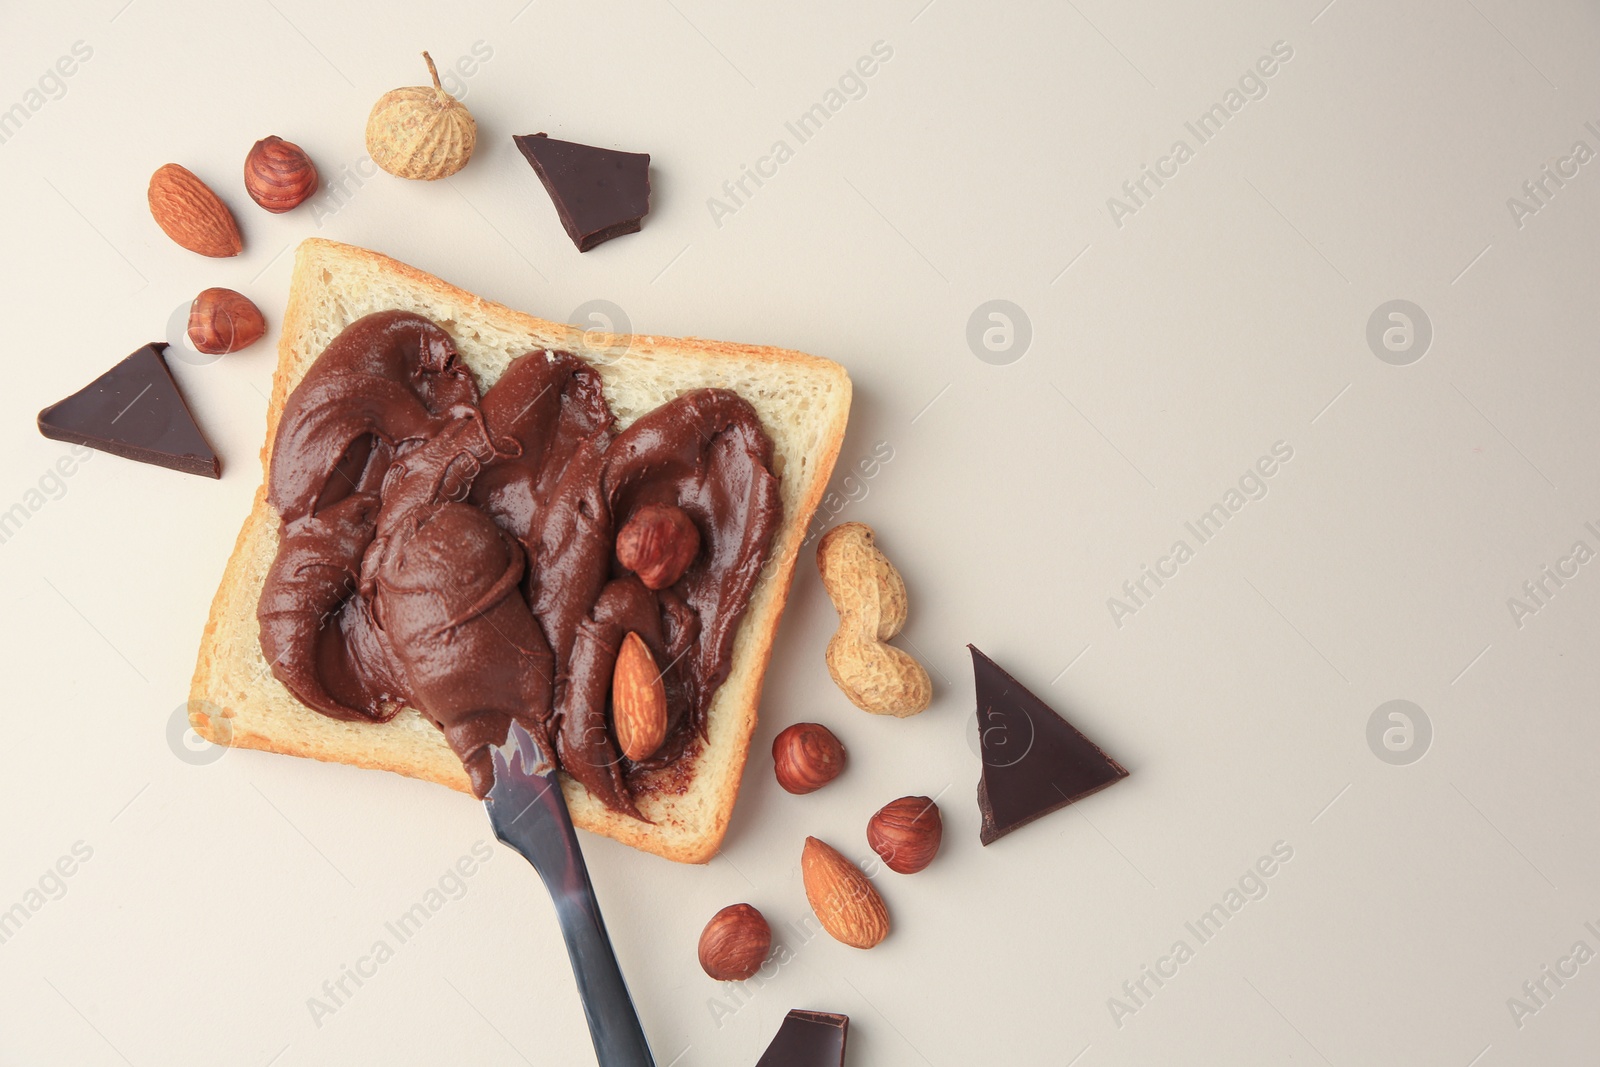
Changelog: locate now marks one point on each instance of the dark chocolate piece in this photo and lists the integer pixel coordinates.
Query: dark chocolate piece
(134, 410)
(1033, 760)
(808, 1039)
(598, 192)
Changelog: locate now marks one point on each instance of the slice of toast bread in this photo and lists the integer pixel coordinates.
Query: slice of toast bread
(803, 403)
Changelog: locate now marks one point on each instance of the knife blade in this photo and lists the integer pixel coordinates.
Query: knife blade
(529, 814)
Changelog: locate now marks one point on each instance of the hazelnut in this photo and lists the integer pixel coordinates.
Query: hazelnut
(906, 834)
(279, 175)
(658, 542)
(806, 757)
(221, 320)
(734, 944)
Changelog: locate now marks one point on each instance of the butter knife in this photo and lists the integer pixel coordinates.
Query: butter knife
(530, 815)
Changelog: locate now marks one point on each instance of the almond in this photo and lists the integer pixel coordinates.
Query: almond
(844, 901)
(638, 700)
(191, 214)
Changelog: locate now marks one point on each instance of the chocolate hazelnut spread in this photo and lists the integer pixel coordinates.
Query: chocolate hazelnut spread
(455, 554)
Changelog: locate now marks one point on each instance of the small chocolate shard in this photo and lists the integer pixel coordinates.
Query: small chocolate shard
(134, 410)
(599, 193)
(808, 1039)
(1034, 761)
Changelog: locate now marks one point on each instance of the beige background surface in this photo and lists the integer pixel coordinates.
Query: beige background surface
(1226, 313)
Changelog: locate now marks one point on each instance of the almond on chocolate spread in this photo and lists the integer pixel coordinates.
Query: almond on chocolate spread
(455, 553)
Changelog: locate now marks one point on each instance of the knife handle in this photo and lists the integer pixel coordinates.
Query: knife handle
(541, 830)
(613, 1022)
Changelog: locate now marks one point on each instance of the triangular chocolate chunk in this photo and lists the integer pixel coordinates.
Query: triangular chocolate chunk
(1033, 760)
(808, 1039)
(134, 410)
(598, 192)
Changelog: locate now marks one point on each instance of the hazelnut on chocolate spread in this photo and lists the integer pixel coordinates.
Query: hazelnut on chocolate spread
(456, 554)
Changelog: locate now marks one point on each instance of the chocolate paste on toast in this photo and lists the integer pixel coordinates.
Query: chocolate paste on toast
(454, 553)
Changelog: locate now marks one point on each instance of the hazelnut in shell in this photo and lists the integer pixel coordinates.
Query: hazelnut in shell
(806, 757)
(658, 543)
(221, 321)
(906, 833)
(735, 943)
(279, 175)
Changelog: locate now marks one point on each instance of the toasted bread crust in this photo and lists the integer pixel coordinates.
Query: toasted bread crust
(803, 402)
